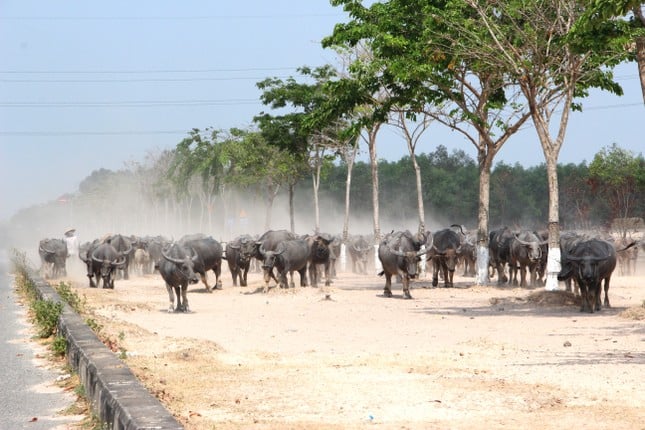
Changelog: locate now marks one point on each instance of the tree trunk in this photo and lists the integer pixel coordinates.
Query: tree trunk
(640, 58)
(483, 218)
(420, 208)
(316, 185)
(553, 260)
(350, 157)
(371, 144)
(292, 217)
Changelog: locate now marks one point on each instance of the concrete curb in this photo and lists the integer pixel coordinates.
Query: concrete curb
(115, 394)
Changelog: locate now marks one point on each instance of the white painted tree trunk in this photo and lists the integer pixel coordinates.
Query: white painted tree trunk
(343, 257)
(482, 264)
(377, 262)
(552, 269)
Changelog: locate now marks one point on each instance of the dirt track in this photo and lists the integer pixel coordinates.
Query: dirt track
(466, 357)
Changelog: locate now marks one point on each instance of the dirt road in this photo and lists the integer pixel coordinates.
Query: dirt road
(460, 358)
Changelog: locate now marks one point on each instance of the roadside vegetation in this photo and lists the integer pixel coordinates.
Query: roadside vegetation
(44, 315)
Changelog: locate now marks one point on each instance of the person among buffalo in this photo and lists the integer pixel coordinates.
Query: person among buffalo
(73, 245)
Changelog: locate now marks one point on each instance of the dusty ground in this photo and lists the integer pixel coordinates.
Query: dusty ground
(460, 358)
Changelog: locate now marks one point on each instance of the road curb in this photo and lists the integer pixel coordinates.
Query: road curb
(114, 393)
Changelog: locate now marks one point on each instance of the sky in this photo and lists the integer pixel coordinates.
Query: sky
(90, 85)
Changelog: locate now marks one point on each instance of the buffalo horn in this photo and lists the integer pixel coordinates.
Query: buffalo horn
(171, 259)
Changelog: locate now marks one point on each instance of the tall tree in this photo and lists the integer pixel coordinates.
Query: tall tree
(289, 131)
(425, 54)
(530, 42)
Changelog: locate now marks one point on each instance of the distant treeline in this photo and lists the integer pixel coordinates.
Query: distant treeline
(518, 195)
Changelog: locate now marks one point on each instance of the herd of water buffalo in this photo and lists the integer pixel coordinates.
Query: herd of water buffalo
(586, 260)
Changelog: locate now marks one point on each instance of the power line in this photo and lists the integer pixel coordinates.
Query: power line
(135, 103)
(118, 80)
(90, 133)
(169, 18)
(117, 72)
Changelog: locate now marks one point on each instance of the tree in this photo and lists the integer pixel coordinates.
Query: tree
(619, 176)
(530, 43)
(289, 131)
(426, 54)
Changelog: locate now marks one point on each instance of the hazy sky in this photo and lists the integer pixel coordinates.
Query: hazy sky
(86, 85)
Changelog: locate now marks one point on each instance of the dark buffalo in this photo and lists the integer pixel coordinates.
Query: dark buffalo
(269, 241)
(468, 255)
(102, 262)
(590, 262)
(123, 245)
(290, 256)
(334, 254)
(526, 254)
(209, 257)
(53, 257)
(446, 247)
(177, 268)
(319, 254)
(239, 253)
(499, 246)
(359, 249)
(568, 241)
(628, 258)
(154, 246)
(399, 254)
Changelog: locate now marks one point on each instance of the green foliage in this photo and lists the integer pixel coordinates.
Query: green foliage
(46, 314)
(619, 175)
(69, 296)
(94, 325)
(59, 346)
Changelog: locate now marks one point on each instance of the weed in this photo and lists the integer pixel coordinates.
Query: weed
(59, 346)
(46, 314)
(70, 296)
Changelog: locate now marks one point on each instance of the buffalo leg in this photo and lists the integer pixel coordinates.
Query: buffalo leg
(607, 305)
(218, 282)
(387, 291)
(406, 287)
(435, 273)
(205, 282)
(184, 298)
(243, 276)
(449, 278)
(171, 298)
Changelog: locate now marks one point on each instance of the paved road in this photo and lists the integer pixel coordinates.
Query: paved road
(29, 398)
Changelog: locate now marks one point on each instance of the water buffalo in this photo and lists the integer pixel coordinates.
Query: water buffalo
(526, 253)
(468, 255)
(319, 254)
(177, 268)
(446, 246)
(359, 251)
(141, 261)
(334, 254)
(399, 253)
(103, 260)
(209, 257)
(590, 262)
(499, 246)
(568, 241)
(123, 245)
(269, 241)
(239, 253)
(290, 256)
(53, 256)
